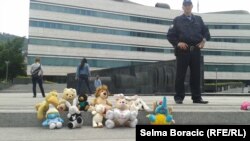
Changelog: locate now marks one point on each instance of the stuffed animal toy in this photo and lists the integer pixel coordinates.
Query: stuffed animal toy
(69, 95)
(74, 115)
(53, 119)
(136, 103)
(162, 114)
(156, 104)
(98, 116)
(245, 105)
(121, 115)
(83, 104)
(101, 95)
(42, 108)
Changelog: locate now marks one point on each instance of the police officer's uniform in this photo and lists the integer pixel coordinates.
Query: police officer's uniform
(190, 30)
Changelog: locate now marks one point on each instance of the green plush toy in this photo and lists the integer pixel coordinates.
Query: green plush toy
(83, 104)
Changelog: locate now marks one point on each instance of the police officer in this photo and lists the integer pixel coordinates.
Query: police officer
(188, 36)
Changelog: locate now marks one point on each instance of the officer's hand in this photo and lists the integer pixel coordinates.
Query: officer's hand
(202, 44)
(182, 45)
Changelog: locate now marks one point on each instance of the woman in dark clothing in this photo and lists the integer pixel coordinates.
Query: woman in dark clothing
(82, 75)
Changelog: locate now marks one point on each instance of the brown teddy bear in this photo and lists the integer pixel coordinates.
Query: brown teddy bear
(69, 95)
(101, 95)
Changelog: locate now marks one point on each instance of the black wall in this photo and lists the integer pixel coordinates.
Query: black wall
(150, 78)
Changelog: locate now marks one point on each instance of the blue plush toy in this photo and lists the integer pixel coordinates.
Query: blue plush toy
(53, 119)
(162, 115)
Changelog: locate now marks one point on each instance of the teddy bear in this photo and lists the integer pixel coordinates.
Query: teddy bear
(74, 115)
(98, 115)
(162, 115)
(42, 108)
(136, 103)
(121, 115)
(53, 119)
(245, 105)
(83, 104)
(101, 97)
(68, 95)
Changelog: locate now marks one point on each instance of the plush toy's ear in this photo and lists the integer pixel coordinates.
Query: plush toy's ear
(65, 89)
(98, 89)
(73, 90)
(75, 101)
(67, 104)
(131, 98)
(105, 87)
(145, 106)
(118, 96)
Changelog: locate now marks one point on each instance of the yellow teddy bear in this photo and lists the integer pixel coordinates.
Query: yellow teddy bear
(42, 108)
(69, 95)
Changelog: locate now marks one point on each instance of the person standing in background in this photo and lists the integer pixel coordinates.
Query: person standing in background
(97, 82)
(82, 75)
(188, 35)
(36, 72)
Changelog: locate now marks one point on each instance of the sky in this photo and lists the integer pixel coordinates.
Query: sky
(14, 14)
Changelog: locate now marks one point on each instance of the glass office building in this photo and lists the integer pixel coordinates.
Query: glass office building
(114, 34)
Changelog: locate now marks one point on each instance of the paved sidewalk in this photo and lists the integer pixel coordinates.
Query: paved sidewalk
(80, 134)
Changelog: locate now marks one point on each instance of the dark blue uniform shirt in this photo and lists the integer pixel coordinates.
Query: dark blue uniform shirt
(189, 31)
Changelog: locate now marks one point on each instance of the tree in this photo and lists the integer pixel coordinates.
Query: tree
(12, 51)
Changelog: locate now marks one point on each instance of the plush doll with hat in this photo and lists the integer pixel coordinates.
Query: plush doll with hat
(162, 115)
(74, 115)
(53, 119)
(42, 108)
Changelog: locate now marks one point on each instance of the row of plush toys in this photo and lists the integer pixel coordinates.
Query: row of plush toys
(123, 113)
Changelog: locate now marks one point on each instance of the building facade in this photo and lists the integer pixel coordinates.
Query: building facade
(113, 34)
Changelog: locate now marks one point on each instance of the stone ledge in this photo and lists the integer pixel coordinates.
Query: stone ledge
(28, 119)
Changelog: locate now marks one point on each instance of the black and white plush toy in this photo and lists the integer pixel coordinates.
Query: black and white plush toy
(74, 115)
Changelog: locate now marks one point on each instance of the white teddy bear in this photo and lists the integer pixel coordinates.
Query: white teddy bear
(121, 115)
(98, 113)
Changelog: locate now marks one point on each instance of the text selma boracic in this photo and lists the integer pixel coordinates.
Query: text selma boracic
(171, 132)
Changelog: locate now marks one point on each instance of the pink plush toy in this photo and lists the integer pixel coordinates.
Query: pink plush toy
(245, 106)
